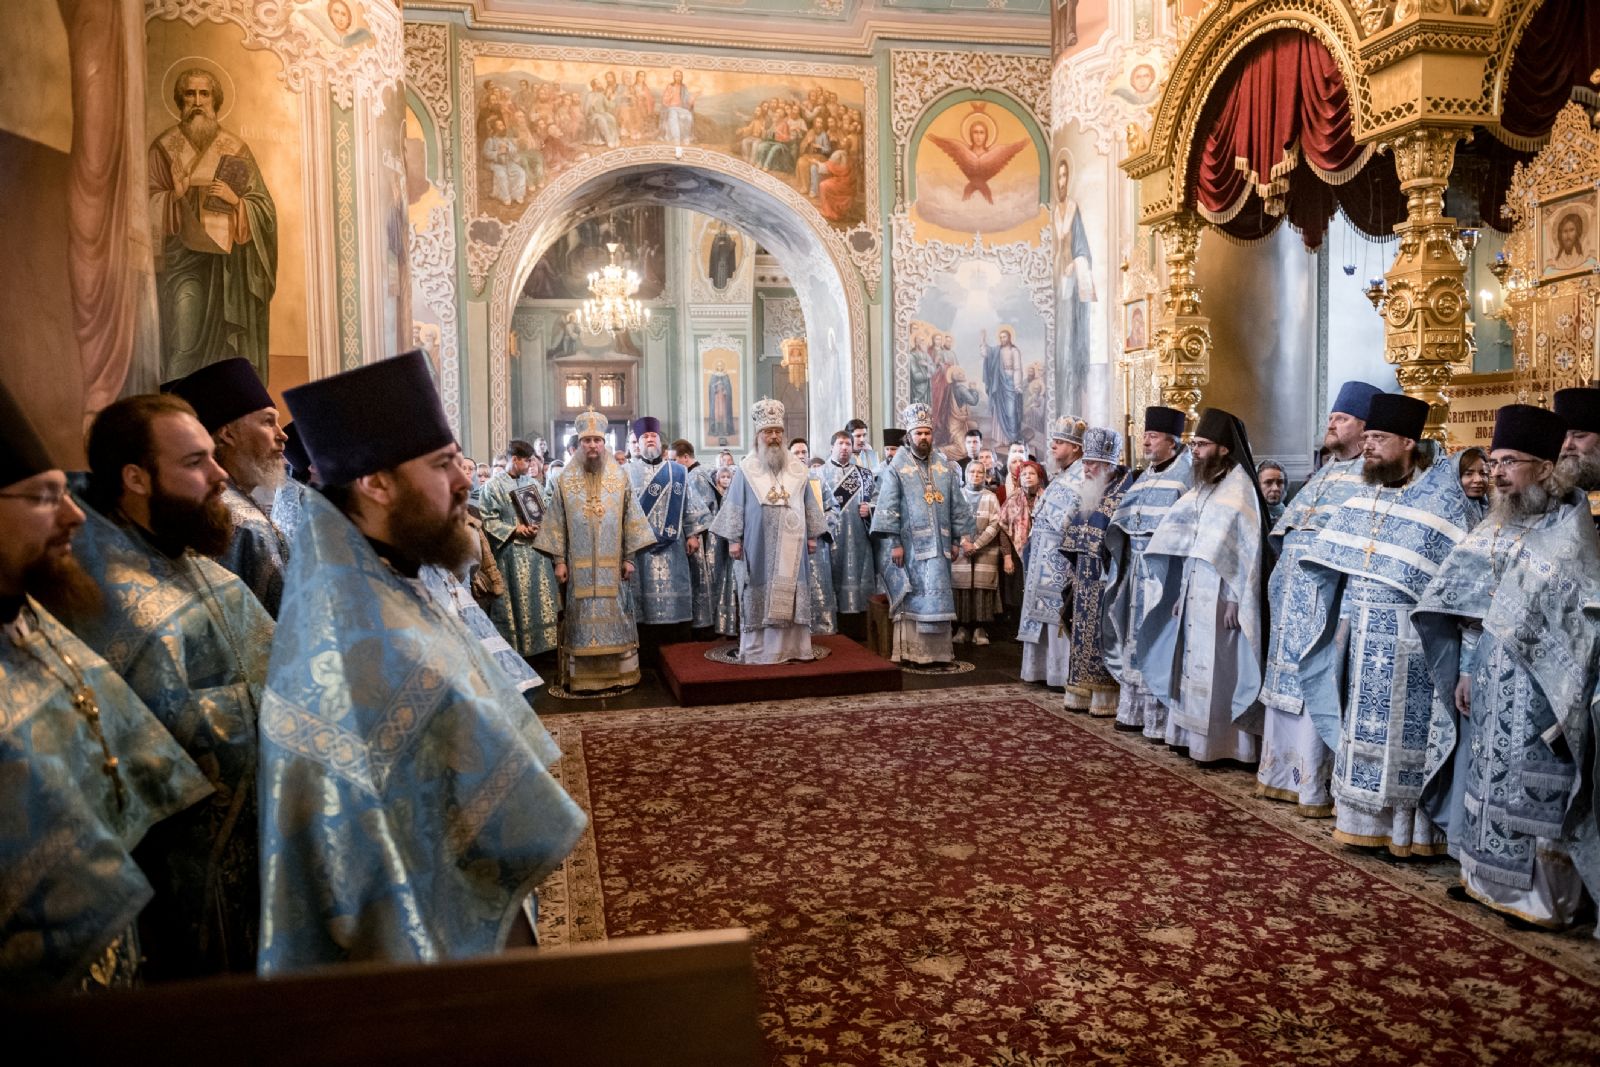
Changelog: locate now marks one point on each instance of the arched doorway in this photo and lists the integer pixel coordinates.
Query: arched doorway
(831, 294)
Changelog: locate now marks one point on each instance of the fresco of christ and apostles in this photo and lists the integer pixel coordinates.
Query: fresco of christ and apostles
(537, 119)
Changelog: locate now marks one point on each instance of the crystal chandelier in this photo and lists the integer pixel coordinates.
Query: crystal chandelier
(611, 307)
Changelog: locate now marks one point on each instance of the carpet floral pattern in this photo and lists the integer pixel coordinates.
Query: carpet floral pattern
(969, 878)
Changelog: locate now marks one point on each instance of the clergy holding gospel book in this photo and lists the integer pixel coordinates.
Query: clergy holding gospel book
(529, 502)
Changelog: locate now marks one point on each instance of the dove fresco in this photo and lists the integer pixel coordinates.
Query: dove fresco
(978, 160)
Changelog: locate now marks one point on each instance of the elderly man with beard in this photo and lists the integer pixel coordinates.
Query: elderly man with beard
(1365, 682)
(192, 641)
(1089, 687)
(238, 413)
(1580, 452)
(408, 806)
(1167, 477)
(1295, 763)
(771, 520)
(1511, 627)
(663, 585)
(591, 533)
(921, 524)
(1203, 641)
(1043, 632)
(87, 769)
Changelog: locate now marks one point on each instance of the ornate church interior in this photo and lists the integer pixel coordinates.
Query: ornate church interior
(1013, 225)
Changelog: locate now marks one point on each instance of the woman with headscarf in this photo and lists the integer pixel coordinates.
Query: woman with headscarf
(1016, 524)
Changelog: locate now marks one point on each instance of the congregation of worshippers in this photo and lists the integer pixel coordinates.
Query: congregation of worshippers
(268, 689)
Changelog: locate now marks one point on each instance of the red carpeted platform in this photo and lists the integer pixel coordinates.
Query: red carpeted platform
(849, 668)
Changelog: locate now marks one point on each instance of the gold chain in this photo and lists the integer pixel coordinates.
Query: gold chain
(930, 494)
(1497, 568)
(1377, 522)
(83, 701)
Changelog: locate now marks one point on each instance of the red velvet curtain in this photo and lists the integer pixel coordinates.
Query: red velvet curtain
(1282, 102)
(1371, 201)
(1559, 49)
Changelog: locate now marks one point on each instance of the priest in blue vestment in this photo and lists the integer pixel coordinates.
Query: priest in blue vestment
(289, 501)
(408, 809)
(1510, 627)
(512, 507)
(771, 520)
(861, 452)
(1202, 640)
(192, 641)
(1580, 451)
(702, 565)
(1366, 685)
(922, 524)
(1295, 763)
(663, 581)
(1168, 475)
(1046, 645)
(824, 601)
(238, 413)
(849, 487)
(85, 769)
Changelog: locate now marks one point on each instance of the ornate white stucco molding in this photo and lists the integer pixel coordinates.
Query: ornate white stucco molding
(309, 55)
(781, 317)
(1083, 89)
(919, 77)
(428, 75)
(433, 268)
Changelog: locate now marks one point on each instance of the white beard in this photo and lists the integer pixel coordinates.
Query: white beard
(1090, 492)
(775, 458)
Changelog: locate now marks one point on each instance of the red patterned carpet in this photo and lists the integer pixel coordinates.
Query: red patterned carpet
(966, 878)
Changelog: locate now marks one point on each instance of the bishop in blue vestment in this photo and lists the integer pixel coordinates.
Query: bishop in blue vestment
(921, 523)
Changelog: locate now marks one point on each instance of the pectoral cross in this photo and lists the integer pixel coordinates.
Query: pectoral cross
(778, 495)
(84, 703)
(1371, 548)
(931, 495)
